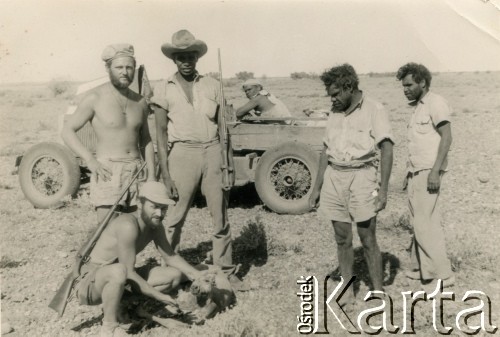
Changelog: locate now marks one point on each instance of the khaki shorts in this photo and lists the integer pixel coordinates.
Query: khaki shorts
(348, 195)
(86, 292)
(106, 193)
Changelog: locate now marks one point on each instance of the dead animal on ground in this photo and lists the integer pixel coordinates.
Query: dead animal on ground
(207, 296)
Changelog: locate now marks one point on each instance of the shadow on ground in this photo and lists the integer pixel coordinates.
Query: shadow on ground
(249, 249)
(245, 197)
(390, 265)
(88, 323)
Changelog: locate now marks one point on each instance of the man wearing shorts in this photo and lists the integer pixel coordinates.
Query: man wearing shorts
(357, 130)
(112, 261)
(118, 116)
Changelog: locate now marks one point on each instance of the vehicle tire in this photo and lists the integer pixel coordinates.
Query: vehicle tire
(49, 172)
(285, 176)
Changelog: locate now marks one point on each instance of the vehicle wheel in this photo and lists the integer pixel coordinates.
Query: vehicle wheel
(49, 172)
(284, 177)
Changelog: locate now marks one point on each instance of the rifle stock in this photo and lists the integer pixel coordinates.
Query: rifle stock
(225, 139)
(60, 299)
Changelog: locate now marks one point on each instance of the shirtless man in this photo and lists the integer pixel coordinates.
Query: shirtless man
(113, 258)
(261, 102)
(119, 118)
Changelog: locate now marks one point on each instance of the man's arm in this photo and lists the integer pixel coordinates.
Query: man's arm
(386, 158)
(172, 259)
(146, 144)
(162, 145)
(323, 163)
(243, 110)
(434, 179)
(127, 235)
(83, 114)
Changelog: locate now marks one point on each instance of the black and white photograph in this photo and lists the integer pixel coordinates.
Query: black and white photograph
(249, 168)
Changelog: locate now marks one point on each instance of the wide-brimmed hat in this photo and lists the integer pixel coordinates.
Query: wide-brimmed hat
(156, 192)
(183, 41)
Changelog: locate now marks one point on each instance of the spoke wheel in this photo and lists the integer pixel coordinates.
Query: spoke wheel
(285, 176)
(48, 172)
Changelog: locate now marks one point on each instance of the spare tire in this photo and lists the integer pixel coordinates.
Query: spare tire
(284, 177)
(49, 172)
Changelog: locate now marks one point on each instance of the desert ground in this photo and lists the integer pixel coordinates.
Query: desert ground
(38, 245)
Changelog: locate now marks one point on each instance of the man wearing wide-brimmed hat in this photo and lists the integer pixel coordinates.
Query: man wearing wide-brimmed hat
(185, 107)
(118, 116)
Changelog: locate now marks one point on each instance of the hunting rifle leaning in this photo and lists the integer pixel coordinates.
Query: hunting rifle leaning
(228, 177)
(62, 296)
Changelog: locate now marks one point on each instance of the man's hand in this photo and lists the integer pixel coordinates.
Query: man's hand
(380, 200)
(170, 303)
(101, 171)
(171, 189)
(314, 199)
(433, 182)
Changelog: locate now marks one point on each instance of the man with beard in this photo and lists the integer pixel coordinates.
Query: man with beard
(189, 151)
(112, 261)
(119, 118)
(358, 140)
(429, 140)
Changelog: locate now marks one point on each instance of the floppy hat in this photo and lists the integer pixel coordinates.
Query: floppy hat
(251, 81)
(155, 192)
(183, 41)
(117, 50)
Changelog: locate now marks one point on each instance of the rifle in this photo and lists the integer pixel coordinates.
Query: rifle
(225, 139)
(62, 296)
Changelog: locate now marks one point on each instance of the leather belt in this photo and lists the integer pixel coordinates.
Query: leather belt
(349, 168)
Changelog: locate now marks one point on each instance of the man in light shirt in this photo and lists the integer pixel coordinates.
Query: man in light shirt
(185, 107)
(358, 141)
(429, 140)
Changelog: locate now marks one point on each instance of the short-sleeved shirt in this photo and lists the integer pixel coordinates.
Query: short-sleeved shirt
(423, 138)
(194, 122)
(352, 137)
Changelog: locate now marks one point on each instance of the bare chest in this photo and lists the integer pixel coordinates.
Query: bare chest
(112, 115)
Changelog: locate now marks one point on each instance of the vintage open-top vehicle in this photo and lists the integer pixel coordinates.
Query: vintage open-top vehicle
(281, 159)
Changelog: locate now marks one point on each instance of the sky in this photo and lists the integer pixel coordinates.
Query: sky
(64, 39)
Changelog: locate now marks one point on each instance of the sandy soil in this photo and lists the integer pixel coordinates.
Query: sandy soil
(38, 246)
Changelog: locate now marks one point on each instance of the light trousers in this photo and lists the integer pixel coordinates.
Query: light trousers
(428, 253)
(192, 165)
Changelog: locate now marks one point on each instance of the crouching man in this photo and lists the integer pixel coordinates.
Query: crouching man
(112, 260)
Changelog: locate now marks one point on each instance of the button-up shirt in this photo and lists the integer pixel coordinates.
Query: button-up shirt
(352, 137)
(192, 122)
(423, 138)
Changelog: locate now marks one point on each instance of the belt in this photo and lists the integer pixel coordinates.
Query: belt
(416, 173)
(413, 174)
(195, 144)
(349, 168)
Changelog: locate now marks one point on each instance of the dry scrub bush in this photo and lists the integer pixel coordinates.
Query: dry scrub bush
(58, 87)
(244, 75)
(230, 82)
(213, 75)
(302, 74)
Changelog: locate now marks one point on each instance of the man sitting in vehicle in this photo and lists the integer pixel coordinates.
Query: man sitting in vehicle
(261, 102)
